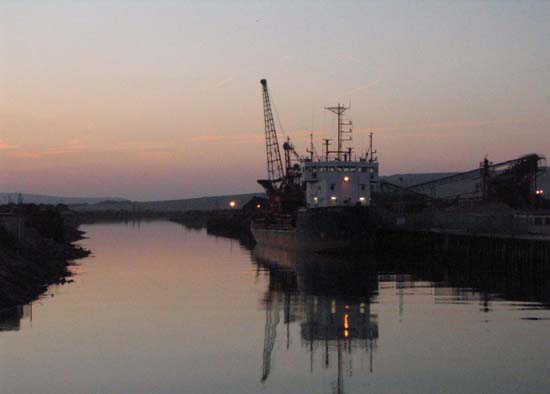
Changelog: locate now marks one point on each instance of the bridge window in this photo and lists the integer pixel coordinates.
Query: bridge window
(332, 186)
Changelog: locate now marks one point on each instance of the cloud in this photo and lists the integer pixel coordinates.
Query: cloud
(207, 138)
(239, 139)
(143, 146)
(236, 75)
(450, 125)
(360, 88)
(225, 81)
(6, 146)
(70, 146)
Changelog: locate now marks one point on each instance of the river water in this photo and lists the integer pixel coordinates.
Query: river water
(160, 309)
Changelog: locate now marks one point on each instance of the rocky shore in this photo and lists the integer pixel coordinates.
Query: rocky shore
(36, 249)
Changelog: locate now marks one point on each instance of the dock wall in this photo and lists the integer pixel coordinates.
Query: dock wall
(490, 251)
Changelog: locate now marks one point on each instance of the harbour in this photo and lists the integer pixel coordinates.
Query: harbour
(335, 201)
(144, 312)
(274, 197)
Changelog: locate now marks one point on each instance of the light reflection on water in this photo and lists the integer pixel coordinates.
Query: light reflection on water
(162, 309)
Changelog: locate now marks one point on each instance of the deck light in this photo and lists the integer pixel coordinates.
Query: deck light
(232, 204)
(539, 192)
(362, 199)
(258, 206)
(346, 178)
(316, 199)
(333, 198)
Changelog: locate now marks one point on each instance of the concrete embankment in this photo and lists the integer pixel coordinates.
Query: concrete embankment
(488, 251)
(36, 255)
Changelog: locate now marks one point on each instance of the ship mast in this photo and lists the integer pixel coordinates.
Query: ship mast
(339, 111)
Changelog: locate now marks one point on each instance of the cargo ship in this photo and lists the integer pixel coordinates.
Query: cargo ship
(320, 202)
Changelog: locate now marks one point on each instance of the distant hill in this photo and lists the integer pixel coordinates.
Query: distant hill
(209, 203)
(6, 198)
(188, 204)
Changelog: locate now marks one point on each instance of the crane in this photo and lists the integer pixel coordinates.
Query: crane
(275, 173)
(284, 190)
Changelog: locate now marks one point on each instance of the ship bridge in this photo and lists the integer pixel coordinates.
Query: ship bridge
(339, 183)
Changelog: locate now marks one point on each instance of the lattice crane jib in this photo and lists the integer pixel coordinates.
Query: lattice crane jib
(274, 163)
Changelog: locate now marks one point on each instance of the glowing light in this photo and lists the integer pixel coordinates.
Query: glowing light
(362, 199)
(258, 206)
(346, 325)
(333, 198)
(346, 178)
(316, 199)
(232, 204)
(539, 192)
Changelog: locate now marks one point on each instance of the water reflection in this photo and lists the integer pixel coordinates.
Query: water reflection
(463, 280)
(329, 298)
(161, 309)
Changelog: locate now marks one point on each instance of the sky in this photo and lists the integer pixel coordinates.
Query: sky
(161, 99)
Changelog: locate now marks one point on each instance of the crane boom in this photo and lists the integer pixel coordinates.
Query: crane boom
(274, 163)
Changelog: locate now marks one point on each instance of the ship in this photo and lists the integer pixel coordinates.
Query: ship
(318, 202)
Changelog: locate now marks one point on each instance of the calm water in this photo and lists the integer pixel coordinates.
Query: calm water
(162, 309)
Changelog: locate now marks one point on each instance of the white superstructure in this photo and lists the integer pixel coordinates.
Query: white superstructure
(339, 183)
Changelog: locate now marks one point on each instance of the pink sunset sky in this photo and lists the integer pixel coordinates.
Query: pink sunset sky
(161, 99)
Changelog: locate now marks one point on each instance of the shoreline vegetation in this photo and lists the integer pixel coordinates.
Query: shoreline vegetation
(37, 248)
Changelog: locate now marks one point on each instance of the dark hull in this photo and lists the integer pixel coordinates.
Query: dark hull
(321, 229)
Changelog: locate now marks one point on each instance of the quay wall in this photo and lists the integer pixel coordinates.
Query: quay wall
(491, 251)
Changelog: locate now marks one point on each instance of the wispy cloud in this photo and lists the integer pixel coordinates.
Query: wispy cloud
(451, 125)
(242, 138)
(70, 146)
(225, 81)
(234, 76)
(143, 146)
(6, 146)
(360, 88)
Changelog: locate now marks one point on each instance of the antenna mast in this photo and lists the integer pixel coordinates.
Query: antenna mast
(274, 163)
(339, 111)
(327, 142)
(371, 151)
(312, 151)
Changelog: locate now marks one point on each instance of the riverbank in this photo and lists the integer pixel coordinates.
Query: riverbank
(38, 255)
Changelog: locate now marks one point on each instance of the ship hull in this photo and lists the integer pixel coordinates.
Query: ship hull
(322, 229)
